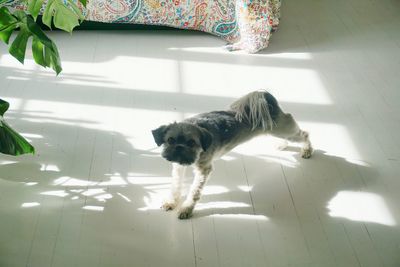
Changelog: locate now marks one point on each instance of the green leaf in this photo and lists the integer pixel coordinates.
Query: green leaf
(5, 32)
(4, 105)
(35, 29)
(51, 56)
(44, 50)
(65, 18)
(18, 47)
(6, 18)
(10, 141)
(48, 13)
(38, 51)
(76, 10)
(20, 15)
(7, 24)
(34, 7)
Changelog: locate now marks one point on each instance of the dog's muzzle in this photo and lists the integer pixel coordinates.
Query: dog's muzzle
(179, 155)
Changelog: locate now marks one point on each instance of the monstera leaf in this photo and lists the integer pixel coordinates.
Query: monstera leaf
(11, 142)
(7, 24)
(64, 15)
(44, 50)
(34, 7)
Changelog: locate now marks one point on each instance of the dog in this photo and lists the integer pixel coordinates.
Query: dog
(199, 140)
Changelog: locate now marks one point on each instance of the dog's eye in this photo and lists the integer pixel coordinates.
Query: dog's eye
(171, 141)
(191, 143)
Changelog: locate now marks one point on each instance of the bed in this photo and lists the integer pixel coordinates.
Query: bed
(243, 24)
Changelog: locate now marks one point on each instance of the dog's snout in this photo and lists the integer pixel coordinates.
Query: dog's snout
(179, 148)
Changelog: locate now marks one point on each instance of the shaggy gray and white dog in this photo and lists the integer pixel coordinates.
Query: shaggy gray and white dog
(197, 141)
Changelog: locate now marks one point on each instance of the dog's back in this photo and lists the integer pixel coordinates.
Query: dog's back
(248, 116)
(222, 125)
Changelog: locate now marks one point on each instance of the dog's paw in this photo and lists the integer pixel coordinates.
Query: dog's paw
(306, 153)
(185, 212)
(169, 205)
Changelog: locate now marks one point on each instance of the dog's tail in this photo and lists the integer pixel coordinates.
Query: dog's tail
(257, 109)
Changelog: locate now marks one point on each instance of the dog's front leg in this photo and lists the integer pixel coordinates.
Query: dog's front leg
(178, 174)
(201, 174)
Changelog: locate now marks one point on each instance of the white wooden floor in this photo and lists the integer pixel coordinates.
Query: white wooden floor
(91, 194)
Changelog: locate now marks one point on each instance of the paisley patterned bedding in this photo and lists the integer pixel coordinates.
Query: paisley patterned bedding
(244, 24)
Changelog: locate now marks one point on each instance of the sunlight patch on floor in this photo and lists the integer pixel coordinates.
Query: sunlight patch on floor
(334, 139)
(70, 181)
(103, 197)
(156, 196)
(31, 183)
(30, 135)
(298, 84)
(360, 206)
(93, 191)
(301, 86)
(104, 74)
(93, 208)
(265, 148)
(30, 204)
(49, 167)
(114, 180)
(127, 199)
(245, 188)
(7, 162)
(111, 72)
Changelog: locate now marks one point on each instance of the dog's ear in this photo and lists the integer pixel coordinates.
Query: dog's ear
(159, 134)
(205, 139)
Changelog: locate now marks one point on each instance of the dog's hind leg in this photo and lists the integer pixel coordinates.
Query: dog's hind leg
(304, 138)
(178, 174)
(201, 174)
(287, 128)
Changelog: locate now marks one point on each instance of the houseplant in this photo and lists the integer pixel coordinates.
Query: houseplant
(64, 15)
(11, 142)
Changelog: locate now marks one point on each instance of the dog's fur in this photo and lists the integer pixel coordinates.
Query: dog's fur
(199, 140)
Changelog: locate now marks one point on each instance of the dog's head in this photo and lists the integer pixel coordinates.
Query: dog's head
(182, 142)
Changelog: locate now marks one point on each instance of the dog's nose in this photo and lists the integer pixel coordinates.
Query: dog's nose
(179, 148)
